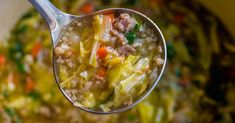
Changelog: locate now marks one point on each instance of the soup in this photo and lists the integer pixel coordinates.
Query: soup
(108, 61)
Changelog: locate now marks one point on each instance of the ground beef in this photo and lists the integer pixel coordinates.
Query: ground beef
(126, 50)
(124, 23)
(99, 82)
(63, 50)
(119, 38)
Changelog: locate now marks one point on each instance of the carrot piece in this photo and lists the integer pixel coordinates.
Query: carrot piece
(102, 52)
(36, 48)
(87, 8)
(102, 71)
(2, 59)
(29, 84)
(13, 77)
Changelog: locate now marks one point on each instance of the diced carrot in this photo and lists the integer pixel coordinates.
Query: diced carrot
(102, 71)
(29, 84)
(10, 77)
(87, 8)
(2, 59)
(13, 77)
(102, 52)
(36, 48)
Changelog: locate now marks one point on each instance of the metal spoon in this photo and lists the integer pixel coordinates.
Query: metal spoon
(57, 20)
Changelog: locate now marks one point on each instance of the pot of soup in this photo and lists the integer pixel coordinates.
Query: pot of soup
(197, 85)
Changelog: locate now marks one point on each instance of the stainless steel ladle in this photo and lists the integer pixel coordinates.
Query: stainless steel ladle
(57, 20)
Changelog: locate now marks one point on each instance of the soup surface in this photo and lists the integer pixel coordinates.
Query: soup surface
(108, 61)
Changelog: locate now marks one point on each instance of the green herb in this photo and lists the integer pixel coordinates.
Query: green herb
(16, 54)
(17, 47)
(131, 117)
(10, 111)
(34, 95)
(137, 26)
(131, 36)
(16, 51)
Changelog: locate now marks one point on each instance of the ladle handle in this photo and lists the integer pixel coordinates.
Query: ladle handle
(50, 13)
(55, 18)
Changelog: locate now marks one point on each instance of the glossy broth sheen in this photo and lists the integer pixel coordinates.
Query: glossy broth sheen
(108, 61)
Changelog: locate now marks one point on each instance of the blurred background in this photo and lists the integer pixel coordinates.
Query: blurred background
(198, 85)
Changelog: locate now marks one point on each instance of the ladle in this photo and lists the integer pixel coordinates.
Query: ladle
(57, 20)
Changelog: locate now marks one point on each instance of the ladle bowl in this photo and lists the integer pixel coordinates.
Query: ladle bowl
(58, 20)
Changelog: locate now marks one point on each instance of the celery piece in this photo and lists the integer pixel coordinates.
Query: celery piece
(82, 50)
(97, 26)
(105, 95)
(66, 83)
(104, 107)
(159, 115)
(132, 59)
(106, 26)
(18, 102)
(116, 73)
(93, 57)
(63, 73)
(137, 77)
(89, 100)
(143, 86)
(132, 80)
(116, 60)
(141, 65)
(137, 26)
(101, 25)
(97, 30)
(119, 96)
(120, 71)
(183, 52)
(146, 111)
